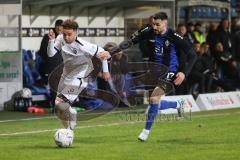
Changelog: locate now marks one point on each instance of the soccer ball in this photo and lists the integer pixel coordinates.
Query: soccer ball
(64, 137)
(26, 93)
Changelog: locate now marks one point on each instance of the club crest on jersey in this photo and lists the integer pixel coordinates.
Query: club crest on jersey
(167, 42)
(75, 51)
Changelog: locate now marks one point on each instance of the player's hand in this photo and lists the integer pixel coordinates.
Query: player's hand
(104, 55)
(179, 78)
(51, 34)
(106, 76)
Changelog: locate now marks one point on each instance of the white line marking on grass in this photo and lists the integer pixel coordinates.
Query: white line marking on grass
(215, 114)
(49, 117)
(51, 130)
(114, 112)
(27, 119)
(100, 125)
(29, 132)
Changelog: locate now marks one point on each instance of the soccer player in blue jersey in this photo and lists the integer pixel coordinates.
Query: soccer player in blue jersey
(165, 47)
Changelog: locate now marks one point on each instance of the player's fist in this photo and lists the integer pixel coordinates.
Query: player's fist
(104, 55)
(179, 78)
(106, 76)
(51, 34)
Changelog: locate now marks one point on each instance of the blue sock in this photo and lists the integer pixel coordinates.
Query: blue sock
(167, 104)
(151, 115)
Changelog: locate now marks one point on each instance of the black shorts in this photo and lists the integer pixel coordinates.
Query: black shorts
(167, 83)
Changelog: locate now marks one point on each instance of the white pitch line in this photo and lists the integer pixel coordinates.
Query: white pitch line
(49, 117)
(51, 130)
(100, 125)
(29, 132)
(27, 119)
(114, 112)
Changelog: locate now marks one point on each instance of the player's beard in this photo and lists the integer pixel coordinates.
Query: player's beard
(68, 41)
(156, 31)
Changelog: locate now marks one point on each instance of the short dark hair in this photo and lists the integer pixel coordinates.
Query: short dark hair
(181, 25)
(70, 24)
(198, 24)
(190, 24)
(110, 46)
(161, 16)
(58, 22)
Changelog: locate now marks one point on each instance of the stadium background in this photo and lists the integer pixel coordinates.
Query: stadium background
(23, 23)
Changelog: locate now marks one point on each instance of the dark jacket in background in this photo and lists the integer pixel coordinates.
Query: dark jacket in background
(119, 66)
(224, 36)
(236, 45)
(48, 63)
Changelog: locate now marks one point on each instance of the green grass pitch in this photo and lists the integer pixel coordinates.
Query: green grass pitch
(211, 135)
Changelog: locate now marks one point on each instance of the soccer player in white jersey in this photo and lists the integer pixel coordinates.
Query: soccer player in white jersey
(77, 54)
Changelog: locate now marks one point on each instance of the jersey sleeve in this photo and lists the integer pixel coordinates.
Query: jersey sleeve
(90, 48)
(185, 47)
(93, 50)
(182, 43)
(142, 34)
(54, 46)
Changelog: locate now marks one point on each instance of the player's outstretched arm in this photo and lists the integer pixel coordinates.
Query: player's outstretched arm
(104, 55)
(53, 44)
(144, 33)
(51, 34)
(187, 49)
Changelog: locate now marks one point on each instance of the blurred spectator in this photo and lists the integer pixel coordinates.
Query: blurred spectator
(228, 66)
(235, 25)
(204, 73)
(190, 36)
(181, 29)
(118, 70)
(223, 36)
(197, 47)
(211, 36)
(201, 67)
(236, 41)
(198, 33)
(50, 63)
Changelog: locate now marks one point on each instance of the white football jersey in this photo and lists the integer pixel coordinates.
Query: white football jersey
(77, 64)
(77, 48)
(76, 56)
